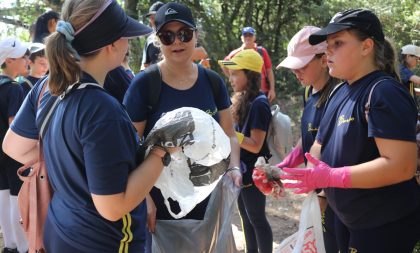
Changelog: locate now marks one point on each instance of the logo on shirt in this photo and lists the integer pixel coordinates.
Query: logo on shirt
(170, 11)
(353, 250)
(342, 120)
(311, 129)
(210, 112)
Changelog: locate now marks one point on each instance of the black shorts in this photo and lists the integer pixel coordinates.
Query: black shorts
(9, 178)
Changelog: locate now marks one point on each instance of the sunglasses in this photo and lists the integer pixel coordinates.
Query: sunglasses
(248, 35)
(184, 35)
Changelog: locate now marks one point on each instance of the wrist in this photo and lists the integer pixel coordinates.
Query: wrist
(341, 177)
(162, 153)
(233, 169)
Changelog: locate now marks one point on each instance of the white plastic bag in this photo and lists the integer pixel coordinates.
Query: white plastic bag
(193, 173)
(279, 135)
(309, 238)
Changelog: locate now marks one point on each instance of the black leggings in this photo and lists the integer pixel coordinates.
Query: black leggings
(396, 237)
(328, 230)
(258, 234)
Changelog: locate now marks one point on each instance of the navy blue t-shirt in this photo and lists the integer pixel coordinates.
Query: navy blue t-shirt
(311, 117)
(27, 84)
(89, 149)
(200, 96)
(117, 82)
(11, 97)
(347, 139)
(259, 118)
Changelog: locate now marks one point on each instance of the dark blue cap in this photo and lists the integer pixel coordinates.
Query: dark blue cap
(248, 29)
(173, 12)
(360, 19)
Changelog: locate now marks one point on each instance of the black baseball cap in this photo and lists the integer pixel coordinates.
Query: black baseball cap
(108, 25)
(360, 19)
(173, 12)
(154, 8)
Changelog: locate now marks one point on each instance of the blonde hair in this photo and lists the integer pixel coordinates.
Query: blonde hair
(64, 69)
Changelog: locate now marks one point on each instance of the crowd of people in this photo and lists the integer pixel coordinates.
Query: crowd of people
(357, 148)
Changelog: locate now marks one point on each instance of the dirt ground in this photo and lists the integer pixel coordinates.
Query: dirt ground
(283, 215)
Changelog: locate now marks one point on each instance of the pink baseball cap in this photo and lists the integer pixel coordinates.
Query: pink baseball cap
(299, 51)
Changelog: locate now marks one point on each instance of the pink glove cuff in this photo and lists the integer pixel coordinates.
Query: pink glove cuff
(293, 159)
(340, 177)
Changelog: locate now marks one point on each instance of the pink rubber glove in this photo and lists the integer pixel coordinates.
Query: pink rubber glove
(293, 159)
(321, 176)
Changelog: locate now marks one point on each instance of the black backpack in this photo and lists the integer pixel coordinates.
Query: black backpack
(155, 85)
(4, 120)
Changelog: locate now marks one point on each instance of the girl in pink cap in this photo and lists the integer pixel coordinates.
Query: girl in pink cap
(309, 64)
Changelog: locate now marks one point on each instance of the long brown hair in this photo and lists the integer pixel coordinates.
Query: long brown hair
(64, 69)
(384, 52)
(241, 101)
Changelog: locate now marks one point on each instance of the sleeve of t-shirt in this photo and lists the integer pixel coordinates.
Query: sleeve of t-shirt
(266, 58)
(135, 99)
(406, 74)
(108, 150)
(15, 96)
(260, 116)
(393, 113)
(24, 123)
(222, 99)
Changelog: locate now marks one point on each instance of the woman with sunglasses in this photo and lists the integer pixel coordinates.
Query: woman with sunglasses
(183, 84)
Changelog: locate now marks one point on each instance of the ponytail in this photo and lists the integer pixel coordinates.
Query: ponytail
(389, 62)
(64, 70)
(384, 53)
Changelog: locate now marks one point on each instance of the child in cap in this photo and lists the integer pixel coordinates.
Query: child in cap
(409, 59)
(13, 61)
(90, 145)
(38, 67)
(364, 155)
(252, 115)
(309, 64)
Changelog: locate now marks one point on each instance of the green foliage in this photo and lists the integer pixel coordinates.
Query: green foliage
(276, 21)
(417, 248)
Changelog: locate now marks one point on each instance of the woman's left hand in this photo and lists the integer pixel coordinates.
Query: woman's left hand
(236, 177)
(320, 176)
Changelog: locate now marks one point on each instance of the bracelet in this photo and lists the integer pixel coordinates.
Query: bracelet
(233, 168)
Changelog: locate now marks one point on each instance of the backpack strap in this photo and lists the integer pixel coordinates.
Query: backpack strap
(214, 79)
(306, 94)
(260, 51)
(249, 113)
(367, 105)
(76, 86)
(5, 79)
(28, 82)
(154, 86)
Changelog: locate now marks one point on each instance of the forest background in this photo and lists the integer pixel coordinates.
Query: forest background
(220, 23)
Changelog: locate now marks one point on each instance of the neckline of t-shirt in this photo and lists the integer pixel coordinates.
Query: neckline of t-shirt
(190, 88)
